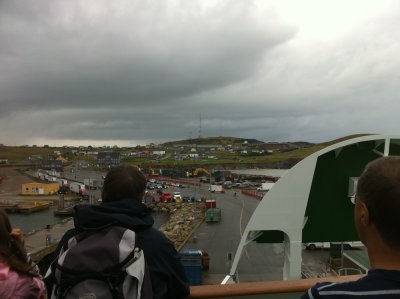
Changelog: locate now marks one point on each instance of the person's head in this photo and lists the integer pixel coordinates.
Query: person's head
(123, 182)
(5, 229)
(11, 249)
(378, 200)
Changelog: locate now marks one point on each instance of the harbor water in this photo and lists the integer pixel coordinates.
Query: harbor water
(39, 220)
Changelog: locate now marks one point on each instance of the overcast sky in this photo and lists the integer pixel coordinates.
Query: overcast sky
(132, 72)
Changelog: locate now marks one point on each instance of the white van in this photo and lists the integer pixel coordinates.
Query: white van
(346, 245)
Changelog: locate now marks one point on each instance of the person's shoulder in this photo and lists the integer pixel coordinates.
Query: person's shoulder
(157, 245)
(15, 285)
(69, 234)
(8, 281)
(373, 283)
(4, 271)
(314, 292)
(155, 237)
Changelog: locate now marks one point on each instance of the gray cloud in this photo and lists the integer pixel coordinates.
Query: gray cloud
(131, 71)
(112, 57)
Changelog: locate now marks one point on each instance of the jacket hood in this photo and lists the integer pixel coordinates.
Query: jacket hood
(128, 213)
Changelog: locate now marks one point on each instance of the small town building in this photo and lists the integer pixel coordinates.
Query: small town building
(143, 154)
(39, 188)
(52, 165)
(62, 159)
(158, 153)
(108, 159)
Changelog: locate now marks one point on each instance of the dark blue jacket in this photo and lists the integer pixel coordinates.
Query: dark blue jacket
(167, 274)
(377, 284)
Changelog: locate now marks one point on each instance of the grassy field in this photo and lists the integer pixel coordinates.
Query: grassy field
(226, 158)
(18, 154)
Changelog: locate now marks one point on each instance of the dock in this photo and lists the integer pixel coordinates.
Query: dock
(42, 242)
(26, 207)
(4, 204)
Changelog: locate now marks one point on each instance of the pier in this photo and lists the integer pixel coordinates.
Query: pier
(16, 207)
(42, 242)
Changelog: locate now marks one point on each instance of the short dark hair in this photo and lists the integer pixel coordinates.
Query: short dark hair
(123, 182)
(379, 188)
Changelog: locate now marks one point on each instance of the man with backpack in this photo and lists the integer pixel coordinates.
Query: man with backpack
(114, 250)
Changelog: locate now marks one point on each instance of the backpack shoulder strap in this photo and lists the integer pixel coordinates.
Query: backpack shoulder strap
(49, 278)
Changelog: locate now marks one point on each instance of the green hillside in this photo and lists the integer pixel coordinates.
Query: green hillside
(220, 140)
(256, 155)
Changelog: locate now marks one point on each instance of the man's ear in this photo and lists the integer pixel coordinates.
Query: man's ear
(364, 214)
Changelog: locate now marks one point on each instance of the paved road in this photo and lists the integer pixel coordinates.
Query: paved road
(219, 240)
(259, 262)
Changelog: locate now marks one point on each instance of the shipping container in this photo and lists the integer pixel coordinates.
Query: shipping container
(211, 204)
(213, 215)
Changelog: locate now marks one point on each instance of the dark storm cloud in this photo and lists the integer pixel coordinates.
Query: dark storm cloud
(68, 54)
(133, 71)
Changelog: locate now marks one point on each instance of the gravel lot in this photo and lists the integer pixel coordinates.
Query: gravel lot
(12, 181)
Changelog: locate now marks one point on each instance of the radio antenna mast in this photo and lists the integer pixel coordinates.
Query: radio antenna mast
(200, 131)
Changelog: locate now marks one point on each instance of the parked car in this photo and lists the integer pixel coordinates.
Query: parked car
(165, 196)
(177, 196)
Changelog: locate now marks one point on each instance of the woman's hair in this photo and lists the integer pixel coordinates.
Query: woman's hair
(12, 250)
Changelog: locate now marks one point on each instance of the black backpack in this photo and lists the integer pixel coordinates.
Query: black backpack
(101, 263)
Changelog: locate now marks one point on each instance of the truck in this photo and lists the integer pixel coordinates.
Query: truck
(216, 188)
(50, 178)
(77, 188)
(53, 173)
(265, 186)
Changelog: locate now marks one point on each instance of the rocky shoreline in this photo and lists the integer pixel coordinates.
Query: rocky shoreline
(184, 219)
